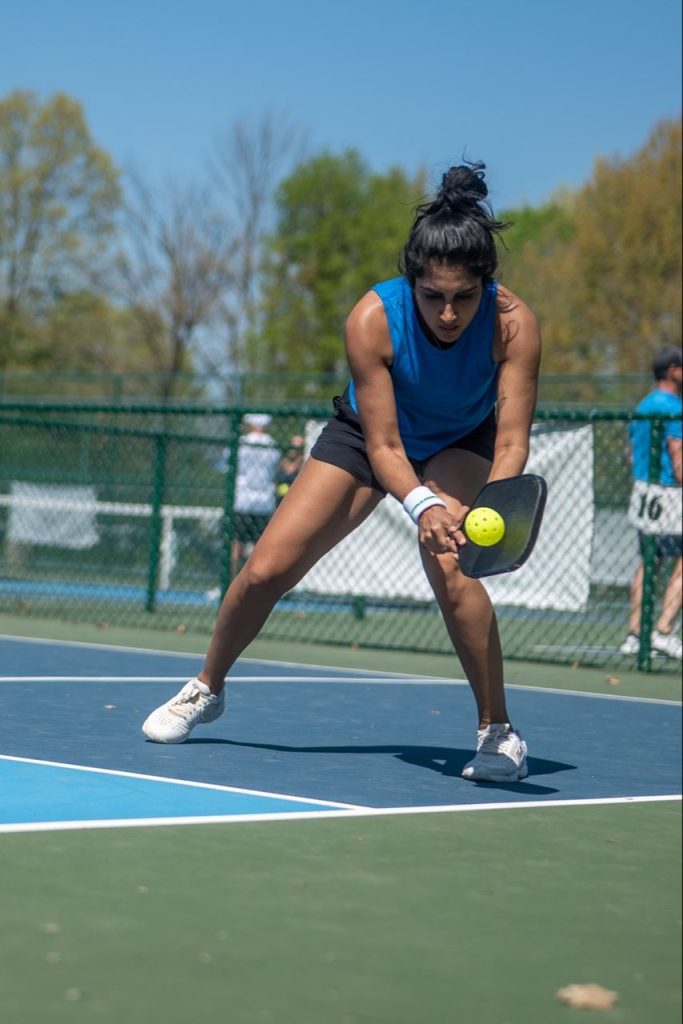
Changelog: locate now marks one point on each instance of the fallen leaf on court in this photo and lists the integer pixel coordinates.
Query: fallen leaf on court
(612, 680)
(587, 997)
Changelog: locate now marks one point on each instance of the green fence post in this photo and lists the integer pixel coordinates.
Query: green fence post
(647, 608)
(230, 485)
(155, 524)
(84, 460)
(111, 463)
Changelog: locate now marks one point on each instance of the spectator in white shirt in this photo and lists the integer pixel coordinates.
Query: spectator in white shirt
(257, 460)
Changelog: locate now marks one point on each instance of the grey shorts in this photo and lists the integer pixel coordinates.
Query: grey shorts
(341, 443)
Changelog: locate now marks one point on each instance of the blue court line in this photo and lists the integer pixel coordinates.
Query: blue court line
(60, 589)
(57, 590)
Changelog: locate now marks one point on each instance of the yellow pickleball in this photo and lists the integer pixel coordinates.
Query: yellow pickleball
(485, 526)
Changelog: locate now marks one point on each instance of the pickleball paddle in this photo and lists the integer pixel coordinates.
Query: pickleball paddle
(519, 501)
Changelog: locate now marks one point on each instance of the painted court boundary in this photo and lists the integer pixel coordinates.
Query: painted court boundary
(359, 675)
(336, 810)
(369, 680)
(417, 681)
(60, 826)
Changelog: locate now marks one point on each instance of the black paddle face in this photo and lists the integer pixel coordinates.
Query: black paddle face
(520, 500)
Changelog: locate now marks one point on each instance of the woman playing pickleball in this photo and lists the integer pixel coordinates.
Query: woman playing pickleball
(444, 364)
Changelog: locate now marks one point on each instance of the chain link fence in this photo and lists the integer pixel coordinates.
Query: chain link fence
(135, 516)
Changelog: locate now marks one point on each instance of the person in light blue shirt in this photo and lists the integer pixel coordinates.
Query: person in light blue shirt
(664, 400)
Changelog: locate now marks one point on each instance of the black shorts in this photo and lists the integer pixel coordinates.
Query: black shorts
(341, 443)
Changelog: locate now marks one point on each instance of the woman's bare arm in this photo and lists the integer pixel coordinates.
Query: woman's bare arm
(369, 352)
(518, 350)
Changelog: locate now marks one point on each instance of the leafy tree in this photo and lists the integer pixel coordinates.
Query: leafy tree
(538, 264)
(90, 333)
(601, 267)
(627, 291)
(339, 230)
(59, 194)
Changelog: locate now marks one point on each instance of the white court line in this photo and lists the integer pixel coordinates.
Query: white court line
(359, 812)
(590, 693)
(360, 675)
(374, 680)
(181, 782)
(595, 649)
(94, 679)
(180, 654)
(371, 680)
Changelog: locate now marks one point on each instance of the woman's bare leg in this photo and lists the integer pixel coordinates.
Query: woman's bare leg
(636, 596)
(323, 505)
(465, 605)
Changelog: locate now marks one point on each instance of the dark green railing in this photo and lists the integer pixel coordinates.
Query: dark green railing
(163, 483)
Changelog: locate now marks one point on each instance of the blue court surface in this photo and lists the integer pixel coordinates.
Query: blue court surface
(296, 740)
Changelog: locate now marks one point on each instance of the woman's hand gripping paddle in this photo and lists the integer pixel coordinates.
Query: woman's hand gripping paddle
(502, 525)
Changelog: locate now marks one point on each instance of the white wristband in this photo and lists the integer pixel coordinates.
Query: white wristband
(419, 500)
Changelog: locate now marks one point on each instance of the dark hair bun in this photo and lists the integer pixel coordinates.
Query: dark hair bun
(456, 227)
(463, 185)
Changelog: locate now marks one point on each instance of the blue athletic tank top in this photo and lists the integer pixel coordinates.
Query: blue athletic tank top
(657, 402)
(441, 394)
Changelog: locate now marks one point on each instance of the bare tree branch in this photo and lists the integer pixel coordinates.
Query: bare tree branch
(176, 270)
(249, 160)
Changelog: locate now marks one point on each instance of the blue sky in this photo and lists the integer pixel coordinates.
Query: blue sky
(536, 88)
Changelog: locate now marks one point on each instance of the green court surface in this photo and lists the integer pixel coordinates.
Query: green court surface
(447, 917)
(474, 916)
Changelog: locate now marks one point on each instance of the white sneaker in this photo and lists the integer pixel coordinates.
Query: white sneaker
(501, 756)
(631, 644)
(174, 721)
(667, 643)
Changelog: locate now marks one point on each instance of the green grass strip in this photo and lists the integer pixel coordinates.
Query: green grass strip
(475, 917)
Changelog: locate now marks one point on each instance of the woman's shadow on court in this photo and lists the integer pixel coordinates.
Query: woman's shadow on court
(447, 761)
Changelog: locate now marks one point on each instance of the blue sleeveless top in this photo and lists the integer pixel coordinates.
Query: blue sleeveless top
(441, 394)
